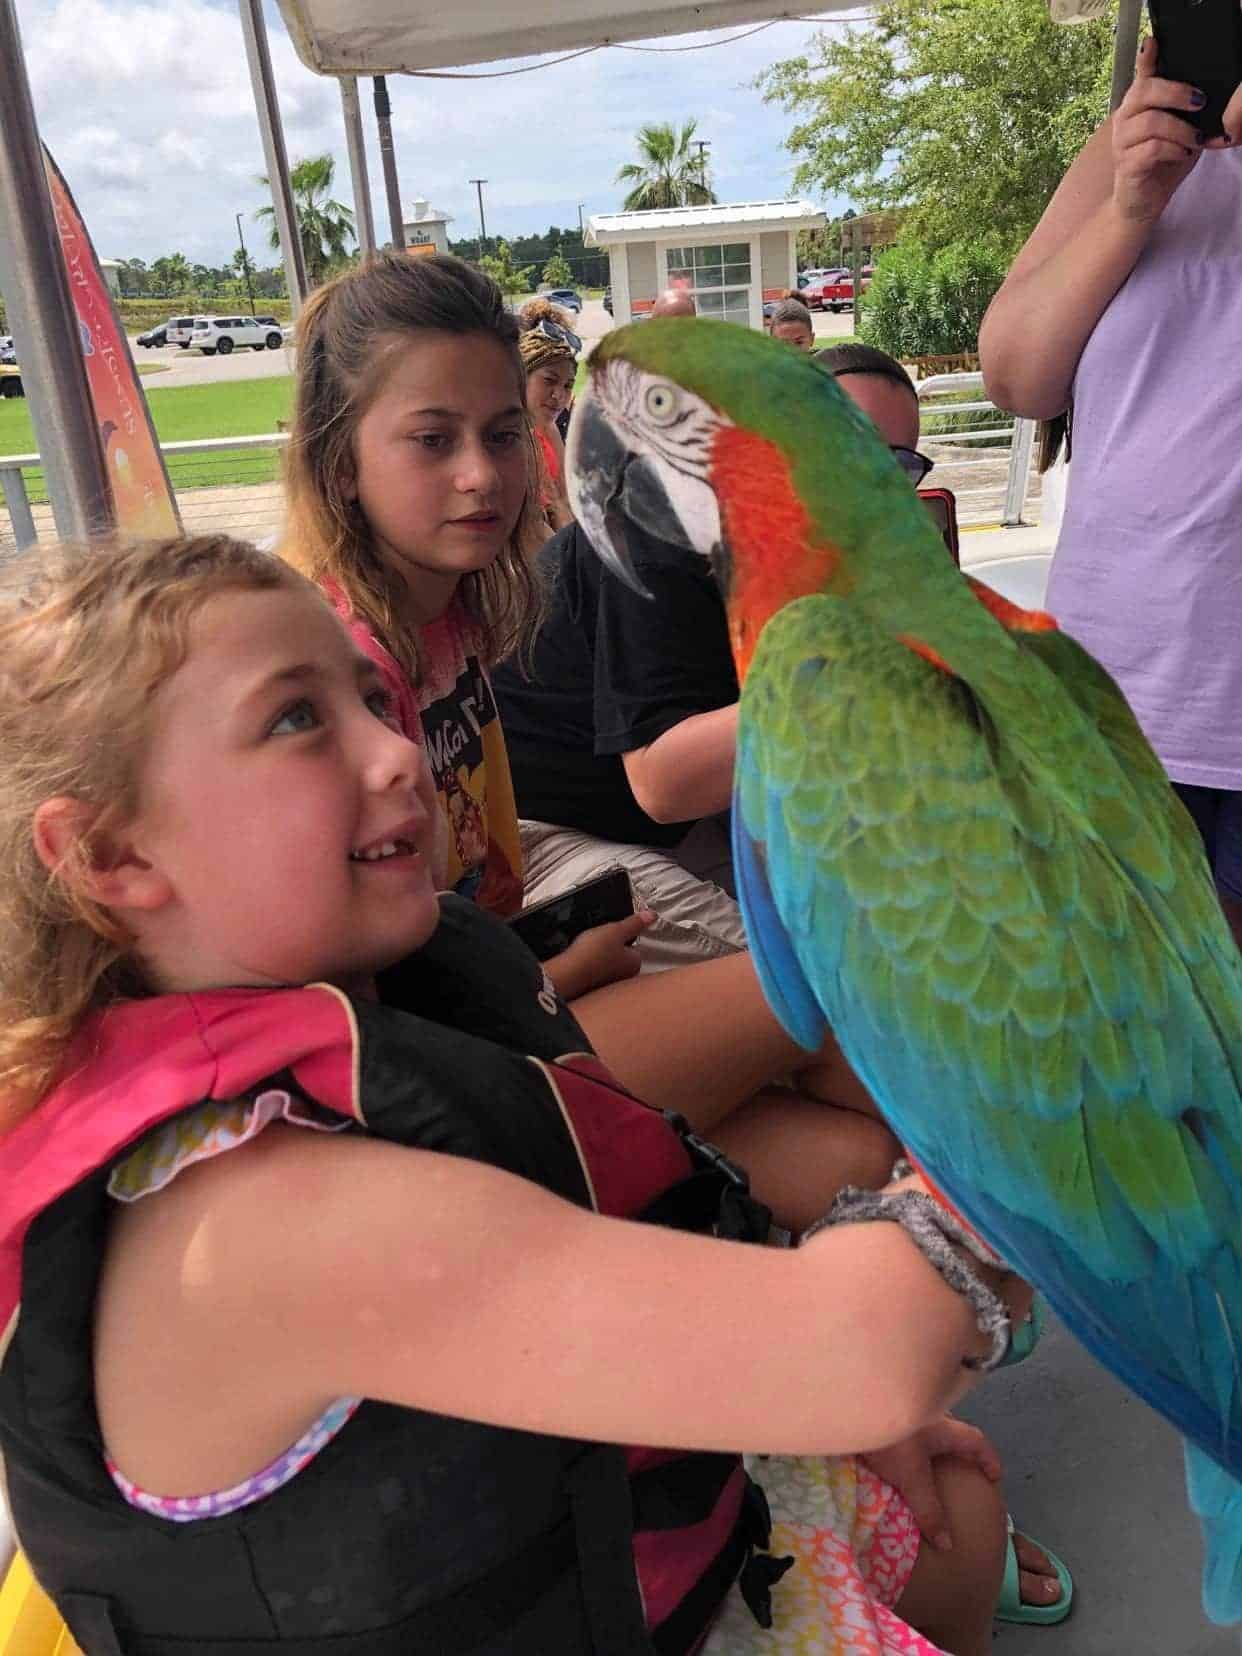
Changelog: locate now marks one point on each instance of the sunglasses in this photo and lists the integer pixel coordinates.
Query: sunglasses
(560, 335)
(915, 465)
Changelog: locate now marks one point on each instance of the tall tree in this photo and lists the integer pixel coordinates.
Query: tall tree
(669, 172)
(966, 112)
(133, 277)
(171, 274)
(325, 226)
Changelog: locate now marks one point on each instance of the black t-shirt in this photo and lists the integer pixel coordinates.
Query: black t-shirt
(610, 672)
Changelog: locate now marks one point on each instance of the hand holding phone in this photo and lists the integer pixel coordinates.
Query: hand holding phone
(1200, 43)
(548, 928)
(1154, 141)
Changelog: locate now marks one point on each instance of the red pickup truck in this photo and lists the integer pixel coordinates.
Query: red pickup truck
(833, 291)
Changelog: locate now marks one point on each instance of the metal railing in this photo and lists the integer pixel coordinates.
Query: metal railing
(1008, 435)
(189, 463)
(17, 500)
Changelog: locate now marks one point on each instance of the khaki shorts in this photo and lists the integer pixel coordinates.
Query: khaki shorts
(688, 888)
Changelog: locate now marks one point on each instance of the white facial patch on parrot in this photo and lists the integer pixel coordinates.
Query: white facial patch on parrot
(675, 431)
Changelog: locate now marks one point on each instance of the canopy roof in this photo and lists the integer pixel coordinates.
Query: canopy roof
(385, 37)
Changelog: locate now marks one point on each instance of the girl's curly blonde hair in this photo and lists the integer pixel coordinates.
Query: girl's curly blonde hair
(345, 337)
(88, 635)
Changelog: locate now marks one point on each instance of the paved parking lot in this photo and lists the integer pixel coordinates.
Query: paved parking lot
(193, 368)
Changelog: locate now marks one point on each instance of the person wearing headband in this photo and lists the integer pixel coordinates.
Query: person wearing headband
(549, 349)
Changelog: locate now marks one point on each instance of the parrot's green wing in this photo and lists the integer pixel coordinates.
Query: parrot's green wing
(1054, 1031)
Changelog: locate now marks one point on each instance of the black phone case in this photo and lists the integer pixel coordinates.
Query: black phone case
(549, 927)
(1200, 42)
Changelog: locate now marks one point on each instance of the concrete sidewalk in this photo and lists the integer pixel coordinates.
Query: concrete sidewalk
(1093, 1474)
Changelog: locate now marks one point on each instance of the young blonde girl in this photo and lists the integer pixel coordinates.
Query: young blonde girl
(322, 1344)
(412, 482)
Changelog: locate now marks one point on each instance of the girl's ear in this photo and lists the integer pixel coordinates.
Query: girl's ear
(104, 867)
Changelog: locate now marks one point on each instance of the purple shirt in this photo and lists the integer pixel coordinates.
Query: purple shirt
(1148, 569)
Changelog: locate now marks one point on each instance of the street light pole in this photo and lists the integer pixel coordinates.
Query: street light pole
(478, 184)
(383, 120)
(241, 242)
(581, 231)
(704, 145)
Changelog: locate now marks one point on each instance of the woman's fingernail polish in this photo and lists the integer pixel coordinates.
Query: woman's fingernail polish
(1197, 98)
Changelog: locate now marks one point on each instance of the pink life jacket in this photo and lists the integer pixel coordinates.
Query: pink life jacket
(409, 1531)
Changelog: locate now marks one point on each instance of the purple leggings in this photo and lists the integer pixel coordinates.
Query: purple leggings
(1218, 817)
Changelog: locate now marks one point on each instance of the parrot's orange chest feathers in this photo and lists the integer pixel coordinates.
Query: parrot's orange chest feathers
(776, 555)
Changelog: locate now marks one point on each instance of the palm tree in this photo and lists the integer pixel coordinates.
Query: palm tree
(668, 175)
(323, 224)
(171, 273)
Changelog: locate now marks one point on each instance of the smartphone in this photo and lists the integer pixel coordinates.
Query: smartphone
(549, 927)
(942, 504)
(1200, 42)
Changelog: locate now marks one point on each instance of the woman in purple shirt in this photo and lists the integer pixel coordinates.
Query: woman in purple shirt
(1126, 306)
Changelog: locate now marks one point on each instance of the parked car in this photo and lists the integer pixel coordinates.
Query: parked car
(567, 298)
(222, 334)
(7, 353)
(177, 331)
(608, 300)
(834, 290)
(154, 337)
(11, 380)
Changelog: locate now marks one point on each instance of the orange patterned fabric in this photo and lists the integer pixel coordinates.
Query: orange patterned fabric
(855, 1543)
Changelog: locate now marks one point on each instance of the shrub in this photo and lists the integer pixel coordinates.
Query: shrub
(921, 303)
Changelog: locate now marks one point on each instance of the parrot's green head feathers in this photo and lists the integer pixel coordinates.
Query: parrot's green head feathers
(716, 438)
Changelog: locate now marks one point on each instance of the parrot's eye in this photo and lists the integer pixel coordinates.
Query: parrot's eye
(661, 403)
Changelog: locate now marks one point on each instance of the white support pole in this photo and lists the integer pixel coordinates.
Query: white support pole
(267, 108)
(1125, 48)
(1023, 444)
(364, 219)
(41, 313)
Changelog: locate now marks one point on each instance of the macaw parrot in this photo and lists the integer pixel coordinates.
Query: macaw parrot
(954, 847)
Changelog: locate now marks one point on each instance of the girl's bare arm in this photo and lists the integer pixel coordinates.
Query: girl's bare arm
(266, 1282)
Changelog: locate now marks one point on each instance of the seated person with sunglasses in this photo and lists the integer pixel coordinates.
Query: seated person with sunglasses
(885, 392)
(621, 727)
(549, 350)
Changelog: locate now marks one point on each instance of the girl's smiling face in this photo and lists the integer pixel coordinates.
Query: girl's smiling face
(287, 823)
(442, 461)
(549, 388)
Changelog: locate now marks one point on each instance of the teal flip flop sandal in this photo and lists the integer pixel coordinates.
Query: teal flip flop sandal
(1009, 1606)
(1026, 1337)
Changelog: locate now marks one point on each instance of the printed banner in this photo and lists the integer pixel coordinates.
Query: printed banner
(141, 493)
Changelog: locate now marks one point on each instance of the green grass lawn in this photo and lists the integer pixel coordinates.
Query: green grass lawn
(240, 408)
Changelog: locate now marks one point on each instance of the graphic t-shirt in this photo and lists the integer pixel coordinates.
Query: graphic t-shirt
(611, 672)
(452, 714)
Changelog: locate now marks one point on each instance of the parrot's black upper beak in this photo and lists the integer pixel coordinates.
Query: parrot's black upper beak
(610, 486)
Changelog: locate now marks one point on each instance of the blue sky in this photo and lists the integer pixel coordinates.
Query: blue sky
(146, 105)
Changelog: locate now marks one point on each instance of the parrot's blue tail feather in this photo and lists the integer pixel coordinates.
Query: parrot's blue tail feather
(1216, 1497)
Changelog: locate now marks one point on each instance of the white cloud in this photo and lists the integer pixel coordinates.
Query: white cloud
(147, 107)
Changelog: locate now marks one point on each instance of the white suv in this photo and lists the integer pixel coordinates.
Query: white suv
(177, 330)
(222, 333)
